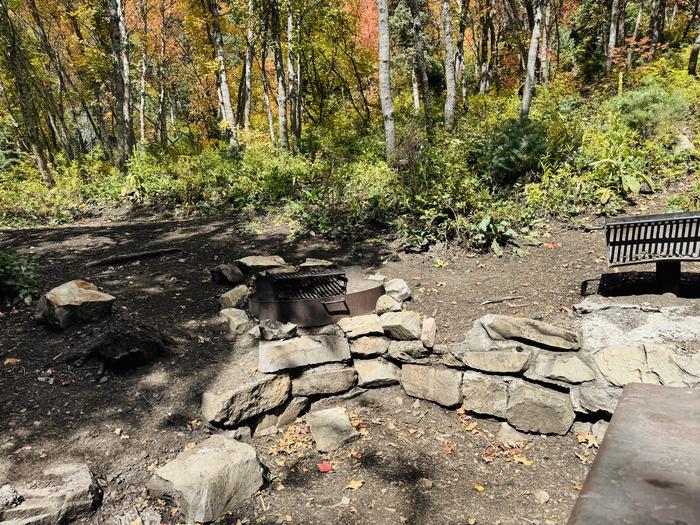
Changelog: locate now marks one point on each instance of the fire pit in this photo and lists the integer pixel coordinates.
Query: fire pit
(314, 296)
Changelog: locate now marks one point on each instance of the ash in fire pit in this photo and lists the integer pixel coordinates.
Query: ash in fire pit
(314, 296)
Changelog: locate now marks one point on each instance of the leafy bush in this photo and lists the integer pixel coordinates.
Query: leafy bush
(516, 150)
(17, 278)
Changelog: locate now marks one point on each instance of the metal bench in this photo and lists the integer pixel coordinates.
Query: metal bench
(647, 471)
(666, 240)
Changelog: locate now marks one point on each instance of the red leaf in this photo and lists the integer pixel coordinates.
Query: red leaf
(552, 245)
(325, 466)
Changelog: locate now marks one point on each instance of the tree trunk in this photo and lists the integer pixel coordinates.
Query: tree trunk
(130, 138)
(222, 86)
(279, 71)
(693, 62)
(544, 44)
(656, 23)
(292, 79)
(635, 33)
(612, 36)
(118, 83)
(420, 64)
(459, 52)
(415, 90)
(144, 70)
(385, 79)
(484, 66)
(249, 55)
(162, 109)
(531, 63)
(266, 93)
(450, 82)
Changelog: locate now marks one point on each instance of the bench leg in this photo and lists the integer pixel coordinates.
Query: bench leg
(668, 276)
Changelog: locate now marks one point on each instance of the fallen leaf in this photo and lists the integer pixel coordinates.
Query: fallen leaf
(479, 487)
(578, 486)
(12, 361)
(588, 439)
(190, 445)
(447, 450)
(355, 484)
(471, 521)
(324, 466)
(469, 427)
(519, 458)
(552, 245)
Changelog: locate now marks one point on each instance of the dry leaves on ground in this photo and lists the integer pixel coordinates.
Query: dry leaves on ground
(295, 440)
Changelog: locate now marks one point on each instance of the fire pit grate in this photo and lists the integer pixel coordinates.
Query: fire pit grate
(310, 283)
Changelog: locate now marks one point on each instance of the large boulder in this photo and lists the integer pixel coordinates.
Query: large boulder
(397, 289)
(484, 394)
(302, 351)
(361, 325)
(65, 493)
(534, 408)
(323, 380)
(404, 326)
(331, 429)
(376, 373)
(239, 392)
(498, 361)
(434, 383)
(501, 327)
(210, 479)
(568, 368)
(74, 302)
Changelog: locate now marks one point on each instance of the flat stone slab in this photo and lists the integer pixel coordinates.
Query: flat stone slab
(209, 479)
(484, 394)
(302, 351)
(258, 263)
(65, 493)
(408, 351)
(361, 325)
(370, 346)
(376, 373)
(498, 361)
(434, 383)
(74, 302)
(331, 429)
(235, 318)
(500, 327)
(323, 380)
(239, 392)
(274, 330)
(235, 298)
(397, 289)
(387, 303)
(568, 368)
(403, 326)
(595, 398)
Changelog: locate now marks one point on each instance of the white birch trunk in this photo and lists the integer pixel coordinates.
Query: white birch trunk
(612, 35)
(531, 63)
(450, 82)
(385, 79)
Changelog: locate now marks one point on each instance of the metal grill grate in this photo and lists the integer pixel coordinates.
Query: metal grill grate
(653, 238)
(311, 283)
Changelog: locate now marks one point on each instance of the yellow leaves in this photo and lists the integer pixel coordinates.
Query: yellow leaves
(470, 427)
(439, 263)
(586, 438)
(523, 460)
(193, 424)
(478, 487)
(355, 484)
(295, 440)
(190, 445)
(12, 361)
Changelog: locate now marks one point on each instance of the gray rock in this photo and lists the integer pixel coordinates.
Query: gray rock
(302, 351)
(65, 493)
(438, 384)
(531, 331)
(258, 263)
(242, 433)
(599, 429)
(210, 479)
(386, 303)
(403, 326)
(408, 351)
(370, 346)
(274, 330)
(361, 325)
(331, 429)
(559, 367)
(507, 435)
(235, 298)
(376, 373)
(672, 367)
(323, 380)
(312, 262)
(133, 516)
(397, 289)
(74, 302)
(9, 497)
(281, 416)
(537, 409)
(541, 496)
(485, 394)
(236, 319)
(329, 329)
(227, 274)
(498, 361)
(595, 398)
(624, 364)
(428, 332)
(581, 427)
(239, 392)
(255, 332)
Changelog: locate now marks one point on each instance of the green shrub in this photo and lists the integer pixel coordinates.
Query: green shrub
(17, 278)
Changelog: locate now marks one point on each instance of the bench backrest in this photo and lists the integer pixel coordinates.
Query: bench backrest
(652, 238)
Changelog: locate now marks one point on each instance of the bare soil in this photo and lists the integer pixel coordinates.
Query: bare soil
(419, 463)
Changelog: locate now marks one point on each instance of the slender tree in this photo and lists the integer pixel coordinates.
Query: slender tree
(693, 62)
(657, 21)
(459, 49)
(279, 71)
(143, 11)
(450, 82)
(544, 43)
(162, 104)
(420, 64)
(612, 34)
(635, 34)
(248, 67)
(385, 79)
(531, 62)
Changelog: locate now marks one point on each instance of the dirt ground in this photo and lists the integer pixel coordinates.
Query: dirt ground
(418, 463)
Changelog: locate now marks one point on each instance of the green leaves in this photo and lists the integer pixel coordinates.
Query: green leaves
(17, 278)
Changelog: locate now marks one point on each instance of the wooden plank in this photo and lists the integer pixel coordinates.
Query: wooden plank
(647, 471)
